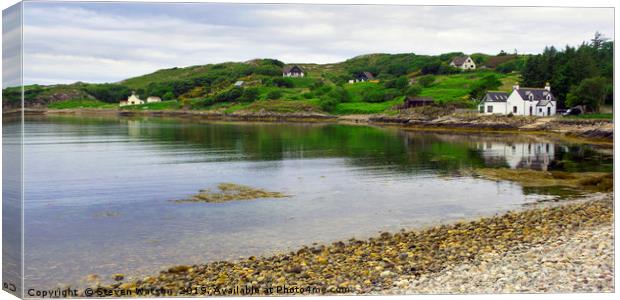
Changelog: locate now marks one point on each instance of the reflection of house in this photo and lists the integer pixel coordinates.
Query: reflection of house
(153, 99)
(521, 101)
(292, 71)
(534, 155)
(463, 63)
(362, 77)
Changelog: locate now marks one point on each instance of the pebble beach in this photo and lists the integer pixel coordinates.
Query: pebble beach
(553, 248)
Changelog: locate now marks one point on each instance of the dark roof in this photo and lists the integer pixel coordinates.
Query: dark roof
(495, 97)
(419, 99)
(290, 68)
(459, 60)
(366, 75)
(537, 94)
(544, 102)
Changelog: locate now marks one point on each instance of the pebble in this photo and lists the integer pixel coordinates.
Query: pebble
(530, 250)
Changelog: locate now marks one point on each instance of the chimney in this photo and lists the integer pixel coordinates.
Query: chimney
(516, 86)
(547, 87)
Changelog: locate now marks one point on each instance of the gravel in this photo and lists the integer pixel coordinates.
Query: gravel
(579, 262)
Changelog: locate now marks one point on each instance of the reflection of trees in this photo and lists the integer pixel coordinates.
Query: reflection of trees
(360, 145)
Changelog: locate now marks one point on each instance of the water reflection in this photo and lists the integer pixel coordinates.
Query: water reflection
(345, 180)
(530, 155)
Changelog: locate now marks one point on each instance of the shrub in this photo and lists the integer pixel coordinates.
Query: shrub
(249, 95)
(283, 82)
(426, 81)
(413, 90)
(274, 95)
(229, 95)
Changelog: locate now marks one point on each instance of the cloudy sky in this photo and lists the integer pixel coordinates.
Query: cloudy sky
(107, 42)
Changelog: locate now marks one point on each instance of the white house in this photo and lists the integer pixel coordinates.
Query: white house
(463, 63)
(153, 99)
(521, 102)
(292, 71)
(132, 100)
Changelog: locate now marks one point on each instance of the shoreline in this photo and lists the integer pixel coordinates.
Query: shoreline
(584, 131)
(394, 262)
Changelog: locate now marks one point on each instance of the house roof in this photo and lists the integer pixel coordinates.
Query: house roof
(419, 99)
(366, 75)
(459, 60)
(496, 97)
(290, 68)
(536, 93)
(544, 102)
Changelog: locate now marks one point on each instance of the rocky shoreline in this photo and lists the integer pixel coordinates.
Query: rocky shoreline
(599, 131)
(421, 261)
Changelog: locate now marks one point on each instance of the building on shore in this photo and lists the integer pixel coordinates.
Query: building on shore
(153, 99)
(362, 77)
(417, 101)
(132, 100)
(521, 102)
(463, 63)
(292, 71)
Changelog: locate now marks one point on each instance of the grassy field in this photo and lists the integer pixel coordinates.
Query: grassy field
(455, 87)
(86, 103)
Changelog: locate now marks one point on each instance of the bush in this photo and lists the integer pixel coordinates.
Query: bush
(274, 95)
(307, 95)
(283, 82)
(329, 101)
(249, 95)
(376, 95)
(426, 81)
(229, 95)
(328, 104)
(413, 90)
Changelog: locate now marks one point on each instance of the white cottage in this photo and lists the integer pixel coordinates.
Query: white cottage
(463, 63)
(521, 102)
(132, 100)
(153, 99)
(292, 71)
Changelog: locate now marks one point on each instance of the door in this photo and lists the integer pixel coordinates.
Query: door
(548, 111)
(531, 110)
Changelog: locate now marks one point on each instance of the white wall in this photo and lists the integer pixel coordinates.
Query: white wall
(498, 107)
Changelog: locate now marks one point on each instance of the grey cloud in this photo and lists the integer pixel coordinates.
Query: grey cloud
(109, 42)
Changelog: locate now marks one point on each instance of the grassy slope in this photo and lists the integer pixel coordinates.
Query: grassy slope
(446, 88)
(453, 87)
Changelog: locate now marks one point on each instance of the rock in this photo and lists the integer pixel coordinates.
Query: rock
(118, 277)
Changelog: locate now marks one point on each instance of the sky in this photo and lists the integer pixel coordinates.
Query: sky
(108, 42)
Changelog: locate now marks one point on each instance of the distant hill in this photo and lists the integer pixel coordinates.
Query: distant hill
(211, 82)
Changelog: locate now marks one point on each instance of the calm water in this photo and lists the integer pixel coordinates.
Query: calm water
(98, 190)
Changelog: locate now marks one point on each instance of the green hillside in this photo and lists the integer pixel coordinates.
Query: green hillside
(324, 89)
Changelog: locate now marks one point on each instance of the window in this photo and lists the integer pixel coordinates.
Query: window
(490, 108)
(514, 109)
(540, 110)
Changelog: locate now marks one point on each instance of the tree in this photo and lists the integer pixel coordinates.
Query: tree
(413, 90)
(249, 94)
(488, 82)
(329, 101)
(273, 95)
(590, 92)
